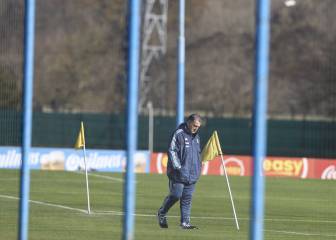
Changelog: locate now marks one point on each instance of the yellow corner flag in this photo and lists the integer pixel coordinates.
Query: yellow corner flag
(212, 149)
(81, 138)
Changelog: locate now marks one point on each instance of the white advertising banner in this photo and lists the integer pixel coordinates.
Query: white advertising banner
(72, 160)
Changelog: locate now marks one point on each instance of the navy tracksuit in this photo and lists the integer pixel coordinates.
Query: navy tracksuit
(183, 170)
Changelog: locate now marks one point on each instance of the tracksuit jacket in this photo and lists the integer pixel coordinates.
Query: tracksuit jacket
(184, 156)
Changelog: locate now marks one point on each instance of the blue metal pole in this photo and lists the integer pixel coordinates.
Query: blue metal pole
(260, 118)
(181, 65)
(134, 24)
(27, 100)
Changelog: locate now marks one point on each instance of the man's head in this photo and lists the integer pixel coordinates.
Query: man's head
(194, 122)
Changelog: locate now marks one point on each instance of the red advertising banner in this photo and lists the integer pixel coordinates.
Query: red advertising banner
(286, 167)
(273, 166)
(158, 163)
(235, 166)
(322, 169)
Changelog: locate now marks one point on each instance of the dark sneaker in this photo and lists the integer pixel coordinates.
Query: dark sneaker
(162, 219)
(188, 226)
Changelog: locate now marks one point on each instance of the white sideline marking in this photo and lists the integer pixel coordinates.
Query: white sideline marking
(103, 176)
(117, 213)
(223, 218)
(169, 216)
(301, 233)
(299, 220)
(220, 218)
(46, 204)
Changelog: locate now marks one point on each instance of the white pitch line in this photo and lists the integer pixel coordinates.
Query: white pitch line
(46, 204)
(104, 177)
(299, 220)
(107, 177)
(220, 218)
(153, 215)
(196, 217)
(122, 213)
(223, 218)
(301, 233)
(169, 216)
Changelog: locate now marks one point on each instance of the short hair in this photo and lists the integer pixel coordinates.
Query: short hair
(194, 117)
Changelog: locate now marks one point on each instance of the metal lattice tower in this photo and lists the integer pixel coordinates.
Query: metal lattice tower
(154, 43)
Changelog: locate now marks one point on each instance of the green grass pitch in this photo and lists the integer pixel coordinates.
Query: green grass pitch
(295, 209)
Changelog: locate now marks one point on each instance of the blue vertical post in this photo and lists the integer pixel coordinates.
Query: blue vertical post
(180, 65)
(27, 99)
(260, 118)
(134, 22)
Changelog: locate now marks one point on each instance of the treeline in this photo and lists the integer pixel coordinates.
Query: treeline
(81, 47)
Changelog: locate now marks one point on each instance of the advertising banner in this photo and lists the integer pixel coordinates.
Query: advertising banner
(235, 165)
(114, 161)
(286, 167)
(273, 166)
(71, 160)
(323, 169)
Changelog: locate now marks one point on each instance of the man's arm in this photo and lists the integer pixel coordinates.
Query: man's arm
(174, 148)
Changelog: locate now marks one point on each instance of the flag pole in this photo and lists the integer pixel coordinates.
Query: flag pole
(228, 184)
(87, 181)
(80, 143)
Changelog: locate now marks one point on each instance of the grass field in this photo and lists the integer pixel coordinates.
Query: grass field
(295, 209)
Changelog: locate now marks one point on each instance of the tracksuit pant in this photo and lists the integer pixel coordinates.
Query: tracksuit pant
(182, 192)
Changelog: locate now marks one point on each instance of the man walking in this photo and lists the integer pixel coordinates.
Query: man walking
(183, 170)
